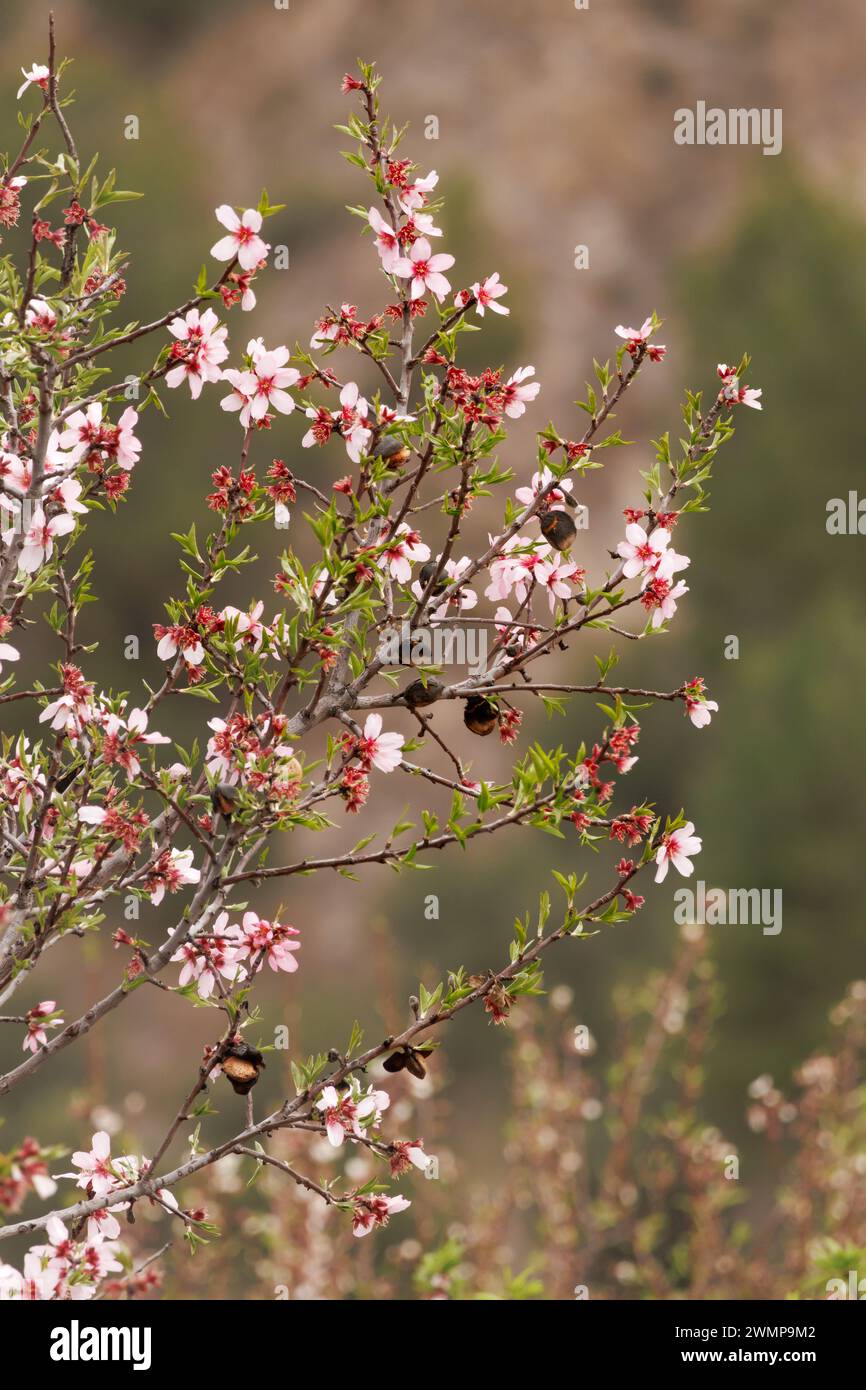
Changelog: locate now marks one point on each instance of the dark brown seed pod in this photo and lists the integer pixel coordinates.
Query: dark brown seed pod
(558, 529)
(414, 1065)
(408, 1058)
(421, 693)
(391, 451)
(241, 1066)
(479, 716)
(224, 799)
(426, 573)
(69, 777)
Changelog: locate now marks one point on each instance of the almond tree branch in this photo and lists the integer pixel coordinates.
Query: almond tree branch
(293, 1112)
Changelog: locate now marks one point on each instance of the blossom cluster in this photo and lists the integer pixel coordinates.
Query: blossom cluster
(74, 1266)
(236, 951)
(96, 810)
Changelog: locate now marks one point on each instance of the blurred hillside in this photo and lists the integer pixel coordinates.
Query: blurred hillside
(555, 129)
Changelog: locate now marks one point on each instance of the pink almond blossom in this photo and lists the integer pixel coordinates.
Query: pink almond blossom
(36, 1285)
(343, 1111)
(271, 938)
(676, 848)
(403, 550)
(425, 270)
(243, 240)
(249, 630)
(422, 224)
(370, 1212)
(82, 431)
(382, 750)
(636, 338)
(98, 1261)
(700, 712)
(387, 243)
(15, 473)
(179, 640)
(352, 418)
(67, 494)
(36, 1036)
(734, 392)
(103, 1225)
(96, 1172)
(350, 422)
(121, 738)
(40, 316)
(635, 334)
(667, 604)
(39, 541)
(175, 870)
(200, 348)
(203, 960)
(415, 195)
(640, 552)
(519, 391)
(487, 292)
(330, 1103)
(514, 567)
(553, 575)
(59, 1250)
(272, 376)
(127, 446)
(37, 77)
(540, 481)
(8, 653)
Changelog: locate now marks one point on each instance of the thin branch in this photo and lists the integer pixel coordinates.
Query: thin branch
(291, 1113)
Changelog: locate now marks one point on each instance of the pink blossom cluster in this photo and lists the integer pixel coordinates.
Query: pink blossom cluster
(235, 951)
(73, 1266)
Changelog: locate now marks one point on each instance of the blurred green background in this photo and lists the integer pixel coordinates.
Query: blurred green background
(555, 130)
